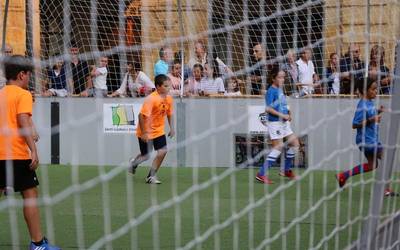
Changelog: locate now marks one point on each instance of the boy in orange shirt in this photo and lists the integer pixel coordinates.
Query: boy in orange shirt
(18, 153)
(150, 130)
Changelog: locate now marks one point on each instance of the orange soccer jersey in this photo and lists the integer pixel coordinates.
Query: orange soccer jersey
(155, 108)
(13, 101)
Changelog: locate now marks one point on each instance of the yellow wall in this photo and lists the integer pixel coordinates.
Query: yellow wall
(160, 21)
(16, 25)
(345, 22)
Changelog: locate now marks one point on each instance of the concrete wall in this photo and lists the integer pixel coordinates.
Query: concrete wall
(209, 127)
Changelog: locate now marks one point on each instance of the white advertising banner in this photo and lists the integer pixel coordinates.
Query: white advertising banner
(255, 124)
(120, 118)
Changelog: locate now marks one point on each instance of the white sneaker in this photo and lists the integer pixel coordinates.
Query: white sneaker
(153, 180)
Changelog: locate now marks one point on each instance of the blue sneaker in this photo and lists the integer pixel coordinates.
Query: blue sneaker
(44, 246)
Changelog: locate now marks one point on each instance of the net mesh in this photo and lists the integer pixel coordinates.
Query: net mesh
(208, 206)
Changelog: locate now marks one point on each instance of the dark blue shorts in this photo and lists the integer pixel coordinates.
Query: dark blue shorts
(371, 150)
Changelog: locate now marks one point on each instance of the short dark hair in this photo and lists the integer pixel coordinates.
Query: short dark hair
(160, 79)
(198, 65)
(361, 86)
(275, 70)
(13, 65)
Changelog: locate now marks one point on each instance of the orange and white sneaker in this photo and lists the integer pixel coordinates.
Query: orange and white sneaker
(289, 174)
(263, 179)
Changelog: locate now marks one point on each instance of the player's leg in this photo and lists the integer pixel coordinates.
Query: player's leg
(372, 154)
(292, 150)
(32, 219)
(143, 156)
(160, 145)
(31, 213)
(277, 146)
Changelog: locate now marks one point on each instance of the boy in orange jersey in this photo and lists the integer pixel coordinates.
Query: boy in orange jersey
(150, 130)
(18, 153)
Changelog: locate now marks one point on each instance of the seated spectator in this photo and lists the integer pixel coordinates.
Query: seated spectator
(212, 83)
(200, 55)
(8, 51)
(99, 78)
(333, 75)
(351, 69)
(135, 83)
(233, 84)
(175, 78)
(292, 72)
(378, 70)
(308, 79)
(80, 78)
(192, 85)
(56, 81)
(162, 66)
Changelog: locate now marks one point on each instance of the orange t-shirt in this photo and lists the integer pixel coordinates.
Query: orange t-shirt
(155, 108)
(14, 100)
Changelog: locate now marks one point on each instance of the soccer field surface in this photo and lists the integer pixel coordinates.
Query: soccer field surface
(307, 210)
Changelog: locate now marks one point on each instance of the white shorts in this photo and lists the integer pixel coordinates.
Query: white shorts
(59, 92)
(279, 130)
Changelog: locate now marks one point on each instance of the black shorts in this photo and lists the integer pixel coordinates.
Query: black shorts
(24, 178)
(158, 143)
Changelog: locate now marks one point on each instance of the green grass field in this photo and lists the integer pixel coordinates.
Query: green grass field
(215, 204)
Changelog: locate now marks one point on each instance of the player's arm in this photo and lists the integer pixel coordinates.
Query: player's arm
(171, 126)
(272, 111)
(143, 124)
(35, 134)
(24, 123)
(366, 122)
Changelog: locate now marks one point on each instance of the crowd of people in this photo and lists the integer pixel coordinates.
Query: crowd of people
(203, 75)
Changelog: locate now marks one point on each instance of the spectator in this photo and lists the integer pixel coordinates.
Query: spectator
(56, 81)
(192, 86)
(212, 83)
(291, 71)
(333, 75)
(200, 53)
(162, 66)
(99, 75)
(351, 69)
(79, 72)
(175, 78)
(378, 71)
(135, 83)
(256, 76)
(233, 89)
(8, 51)
(186, 70)
(307, 77)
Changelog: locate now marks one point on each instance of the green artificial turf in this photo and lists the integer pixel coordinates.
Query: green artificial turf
(246, 211)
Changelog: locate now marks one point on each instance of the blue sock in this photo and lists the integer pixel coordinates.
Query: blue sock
(272, 156)
(290, 154)
(266, 165)
(288, 163)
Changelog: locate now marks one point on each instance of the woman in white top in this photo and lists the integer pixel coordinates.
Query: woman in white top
(212, 84)
(135, 83)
